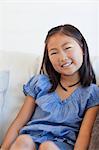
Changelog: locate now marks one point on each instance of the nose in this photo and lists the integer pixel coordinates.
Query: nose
(63, 56)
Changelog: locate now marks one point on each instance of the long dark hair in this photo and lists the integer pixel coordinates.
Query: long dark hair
(86, 72)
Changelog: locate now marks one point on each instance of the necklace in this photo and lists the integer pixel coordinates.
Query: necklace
(68, 86)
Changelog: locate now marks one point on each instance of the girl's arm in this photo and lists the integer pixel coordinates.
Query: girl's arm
(84, 136)
(21, 119)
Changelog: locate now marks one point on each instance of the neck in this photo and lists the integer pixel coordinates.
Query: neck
(65, 89)
(69, 80)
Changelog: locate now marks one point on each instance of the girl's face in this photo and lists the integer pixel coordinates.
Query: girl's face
(65, 54)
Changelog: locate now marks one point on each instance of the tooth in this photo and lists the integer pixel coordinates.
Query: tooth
(66, 65)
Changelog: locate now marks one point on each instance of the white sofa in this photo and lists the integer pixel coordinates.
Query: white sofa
(21, 66)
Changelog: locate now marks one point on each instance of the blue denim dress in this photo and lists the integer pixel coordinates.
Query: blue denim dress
(55, 119)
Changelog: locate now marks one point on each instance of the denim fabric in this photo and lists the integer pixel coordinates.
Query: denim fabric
(56, 119)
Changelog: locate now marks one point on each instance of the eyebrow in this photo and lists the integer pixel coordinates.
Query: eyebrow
(65, 43)
(52, 49)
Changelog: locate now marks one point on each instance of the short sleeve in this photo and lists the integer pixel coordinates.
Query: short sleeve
(30, 87)
(37, 85)
(93, 100)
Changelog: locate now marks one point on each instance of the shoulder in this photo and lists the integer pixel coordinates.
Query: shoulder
(93, 89)
(92, 96)
(88, 96)
(42, 77)
(90, 90)
(40, 81)
(94, 86)
(36, 85)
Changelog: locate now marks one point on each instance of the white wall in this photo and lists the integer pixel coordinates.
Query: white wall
(24, 24)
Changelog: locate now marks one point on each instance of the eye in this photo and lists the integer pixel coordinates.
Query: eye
(67, 48)
(53, 53)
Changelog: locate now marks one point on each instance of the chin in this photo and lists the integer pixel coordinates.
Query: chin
(69, 73)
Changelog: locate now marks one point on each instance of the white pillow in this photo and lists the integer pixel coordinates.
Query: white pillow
(21, 67)
(4, 81)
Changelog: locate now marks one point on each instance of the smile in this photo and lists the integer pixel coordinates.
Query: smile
(66, 64)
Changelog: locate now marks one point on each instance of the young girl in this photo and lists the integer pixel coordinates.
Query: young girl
(62, 102)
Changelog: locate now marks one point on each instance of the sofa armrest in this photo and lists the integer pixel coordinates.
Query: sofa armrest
(94, 144)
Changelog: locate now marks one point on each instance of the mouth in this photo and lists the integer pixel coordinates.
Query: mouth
(66, 65)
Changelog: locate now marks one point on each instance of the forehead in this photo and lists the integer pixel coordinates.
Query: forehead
(59, 39)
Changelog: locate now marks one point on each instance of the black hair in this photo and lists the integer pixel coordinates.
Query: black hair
(87, 75)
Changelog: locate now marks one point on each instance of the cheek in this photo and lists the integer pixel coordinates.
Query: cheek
(54, 62)
(51, 59)
(77, 57)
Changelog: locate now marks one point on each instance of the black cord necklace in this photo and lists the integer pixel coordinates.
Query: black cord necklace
(68, 86)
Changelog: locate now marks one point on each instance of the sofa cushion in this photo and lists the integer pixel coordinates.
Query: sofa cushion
(4, 81)
(94, 144)
(95, 64)
(21, 67)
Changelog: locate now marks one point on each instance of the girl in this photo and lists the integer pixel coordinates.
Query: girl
(62, 102)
